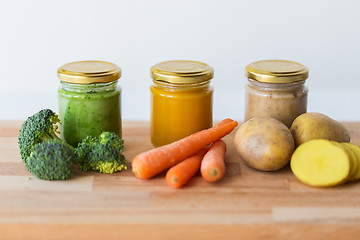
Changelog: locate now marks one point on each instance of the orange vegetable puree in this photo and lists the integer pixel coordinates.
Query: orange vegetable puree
(179, 111)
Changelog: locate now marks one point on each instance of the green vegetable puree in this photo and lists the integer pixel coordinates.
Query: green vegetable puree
(88, 113)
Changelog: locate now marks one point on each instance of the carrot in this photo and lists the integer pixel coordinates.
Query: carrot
(181, 173)
(213, 165)
(148, 164)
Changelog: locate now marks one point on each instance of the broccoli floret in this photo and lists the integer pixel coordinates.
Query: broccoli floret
(36, 129)
(51, 160)
(82, 152)
(101, 153)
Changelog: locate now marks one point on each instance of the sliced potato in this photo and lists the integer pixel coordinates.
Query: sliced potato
(352, 158)
(321, 163)
(356, 151)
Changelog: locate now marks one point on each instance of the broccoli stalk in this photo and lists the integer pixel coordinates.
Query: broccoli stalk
(101, 153)
(51, 160)
(40, 127)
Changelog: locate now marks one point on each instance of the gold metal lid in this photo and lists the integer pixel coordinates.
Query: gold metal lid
(86, 72)
(277, 71)
(182, 72)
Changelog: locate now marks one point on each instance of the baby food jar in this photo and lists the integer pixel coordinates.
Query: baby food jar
(89, 100)
(181, 100)
(276, 89)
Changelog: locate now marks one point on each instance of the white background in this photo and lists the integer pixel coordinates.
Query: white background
(37, 37)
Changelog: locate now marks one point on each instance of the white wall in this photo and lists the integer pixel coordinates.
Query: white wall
(36, 37)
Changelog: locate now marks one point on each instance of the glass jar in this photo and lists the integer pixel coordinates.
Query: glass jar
(181, 100)
(276, 89)
(89, 100)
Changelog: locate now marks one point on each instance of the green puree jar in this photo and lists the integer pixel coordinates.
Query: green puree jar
(89, 100)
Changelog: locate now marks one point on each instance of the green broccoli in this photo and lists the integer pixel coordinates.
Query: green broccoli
(36, 129)
(101, 153)
(48, 157)
(82, 152)
(51, 160)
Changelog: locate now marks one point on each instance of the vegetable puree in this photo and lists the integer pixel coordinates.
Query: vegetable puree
(179, 112)
(282, 104)
(88, 113)
(181, 100)
(276, 89)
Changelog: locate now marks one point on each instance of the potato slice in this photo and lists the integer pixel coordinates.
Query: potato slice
(352, 158)
(321, 163)
(356, 151)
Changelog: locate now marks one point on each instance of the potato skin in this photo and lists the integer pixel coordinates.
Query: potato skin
(314, 125)
(264, 143)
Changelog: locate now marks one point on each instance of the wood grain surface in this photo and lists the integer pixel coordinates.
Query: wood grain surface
(246, 204)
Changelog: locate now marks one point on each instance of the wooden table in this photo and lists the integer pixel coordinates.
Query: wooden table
(246, 204)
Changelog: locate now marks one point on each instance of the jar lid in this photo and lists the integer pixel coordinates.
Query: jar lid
(86, 72)
(182, 72)
(277, 71)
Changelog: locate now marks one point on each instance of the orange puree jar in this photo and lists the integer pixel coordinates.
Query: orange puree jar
(181, 100)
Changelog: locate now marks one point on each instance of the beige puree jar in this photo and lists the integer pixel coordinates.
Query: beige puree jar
(276, 89)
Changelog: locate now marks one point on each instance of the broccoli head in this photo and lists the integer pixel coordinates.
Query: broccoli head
(101, 153)
(51, 160)
(36, 129)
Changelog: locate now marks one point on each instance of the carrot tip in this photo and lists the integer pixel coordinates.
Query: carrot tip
(174, 179)
(213, 172)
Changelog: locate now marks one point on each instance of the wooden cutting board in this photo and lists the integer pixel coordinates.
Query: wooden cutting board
(246, 204)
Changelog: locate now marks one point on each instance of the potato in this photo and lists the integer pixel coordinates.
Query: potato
(264, 143)
(321, 163)
(352, 158)
(310, 126)
(356, 154)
